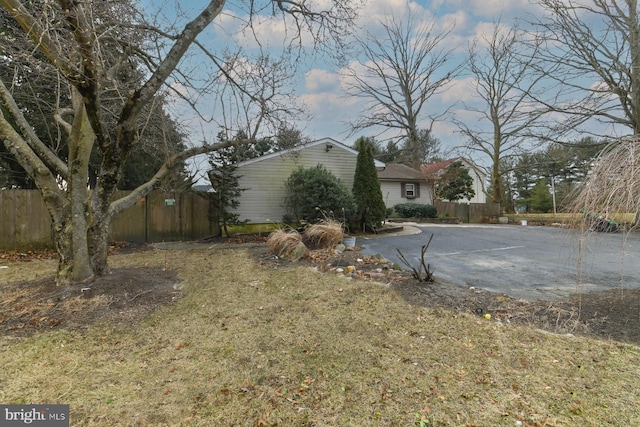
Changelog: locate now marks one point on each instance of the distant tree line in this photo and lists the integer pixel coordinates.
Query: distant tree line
(545, 179)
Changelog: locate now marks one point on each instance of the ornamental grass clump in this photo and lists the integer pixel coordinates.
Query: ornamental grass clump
(326, 233)
(287, 244)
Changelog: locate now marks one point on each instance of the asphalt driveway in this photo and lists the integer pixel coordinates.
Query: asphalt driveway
(521, 261)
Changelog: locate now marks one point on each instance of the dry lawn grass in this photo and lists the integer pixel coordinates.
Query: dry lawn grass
(257, 346)
(567, 219)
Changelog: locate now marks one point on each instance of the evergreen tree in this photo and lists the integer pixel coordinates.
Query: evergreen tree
(225, 197)
(226, 185)
(390, 153)
(566, 164)
(455, 183)
(371, 209)
(424, 148)
(289, 137)
(540, 199)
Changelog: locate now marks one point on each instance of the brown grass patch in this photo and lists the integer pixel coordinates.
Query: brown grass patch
(251, 345)
(124, 296)
(575, 219)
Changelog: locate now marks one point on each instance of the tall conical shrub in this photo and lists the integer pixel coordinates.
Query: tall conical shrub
(371, 209)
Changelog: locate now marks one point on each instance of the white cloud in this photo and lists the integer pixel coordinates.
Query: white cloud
(331, 109)
(322, 90)
(487, 9)
(331, 112)
(318, 80)
(380, 9)
(459, 91)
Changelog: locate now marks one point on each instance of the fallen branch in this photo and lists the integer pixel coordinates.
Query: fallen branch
(141, 293)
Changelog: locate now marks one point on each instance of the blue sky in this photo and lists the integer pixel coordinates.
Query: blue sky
(323, 88)
(320, 86)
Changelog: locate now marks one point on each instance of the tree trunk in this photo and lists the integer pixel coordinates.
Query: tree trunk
(496, 179)
(99, 247)
(98, 233)
(413, 145)
(496, 183)
(75, 265)
(61, 236)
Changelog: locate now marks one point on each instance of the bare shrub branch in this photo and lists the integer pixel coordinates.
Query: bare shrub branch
(612, 189)
(423, 273)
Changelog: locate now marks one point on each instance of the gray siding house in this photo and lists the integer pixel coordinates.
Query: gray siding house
(403, 184)
(263, 178)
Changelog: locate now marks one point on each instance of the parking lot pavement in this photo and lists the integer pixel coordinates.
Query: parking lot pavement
(521, 261)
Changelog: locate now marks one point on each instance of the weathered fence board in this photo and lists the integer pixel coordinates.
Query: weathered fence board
(129, 225)
(24, 219)
(160, 216)
(468, 213)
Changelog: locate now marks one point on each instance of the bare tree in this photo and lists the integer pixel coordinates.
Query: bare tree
(425, 149)
(508, 118)
(85, 43)
(264, 102)
(398, 75)
(594, 47)
(259, 108)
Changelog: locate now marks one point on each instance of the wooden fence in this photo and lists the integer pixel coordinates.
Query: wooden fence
(469, 213)
(160, 216)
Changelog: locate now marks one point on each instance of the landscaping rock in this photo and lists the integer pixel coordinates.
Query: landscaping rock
(298, 252)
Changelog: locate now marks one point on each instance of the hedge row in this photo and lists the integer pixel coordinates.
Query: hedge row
(415, 210)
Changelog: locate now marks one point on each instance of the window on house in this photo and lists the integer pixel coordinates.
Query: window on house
(410, 190)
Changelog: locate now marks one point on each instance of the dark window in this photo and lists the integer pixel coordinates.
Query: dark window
(410, 190)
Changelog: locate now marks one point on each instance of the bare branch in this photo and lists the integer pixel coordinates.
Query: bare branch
(612, 188)
(36, 168)
(37, 33)
(510, 117)
(423, 273)
(30, 137)
(594, 48)
(126, 202)
(398, 75)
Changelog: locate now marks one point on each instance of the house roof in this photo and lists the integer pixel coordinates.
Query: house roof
(326, 141)
(399, 172)
(434, 168)
(203, 187)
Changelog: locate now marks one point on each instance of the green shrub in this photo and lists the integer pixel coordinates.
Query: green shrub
(415, 210)
(455, 184)
(314, 194)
